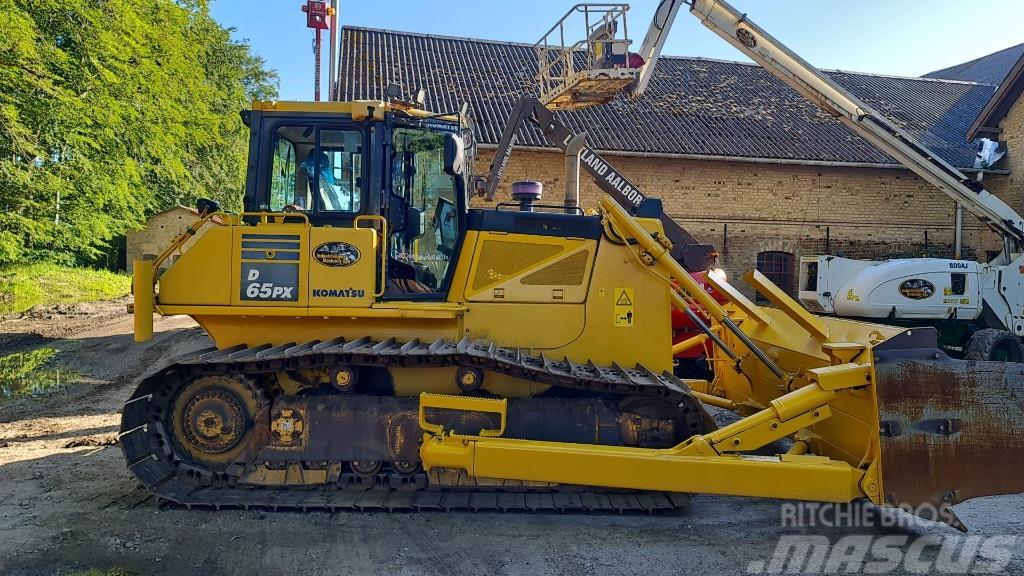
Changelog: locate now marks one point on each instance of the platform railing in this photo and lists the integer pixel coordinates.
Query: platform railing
(565, 59)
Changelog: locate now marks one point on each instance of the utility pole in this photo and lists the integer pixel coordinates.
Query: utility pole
(332, 55)
(318, 15)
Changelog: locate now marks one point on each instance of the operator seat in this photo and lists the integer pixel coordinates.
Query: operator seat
(402, 280)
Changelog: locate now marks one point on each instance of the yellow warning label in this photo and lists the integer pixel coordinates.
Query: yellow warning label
(623, 308)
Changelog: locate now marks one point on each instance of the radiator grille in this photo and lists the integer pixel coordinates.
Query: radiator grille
(568, 271)
(500, 260)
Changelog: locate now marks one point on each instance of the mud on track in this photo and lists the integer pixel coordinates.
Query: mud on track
(67, 503)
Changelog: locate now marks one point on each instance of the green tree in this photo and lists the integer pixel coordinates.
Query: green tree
(111, 110)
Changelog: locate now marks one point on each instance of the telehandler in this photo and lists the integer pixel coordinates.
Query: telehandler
(381, 345)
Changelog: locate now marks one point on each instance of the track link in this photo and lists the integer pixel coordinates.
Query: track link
(152, 457)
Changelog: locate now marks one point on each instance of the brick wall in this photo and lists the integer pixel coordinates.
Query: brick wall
(744, 208)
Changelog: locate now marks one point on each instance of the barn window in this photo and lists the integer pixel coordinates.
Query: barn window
(778, 267)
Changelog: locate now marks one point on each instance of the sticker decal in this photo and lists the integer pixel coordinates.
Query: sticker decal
(336, 254)
(917, 289)
(623, 313)
(270, 282)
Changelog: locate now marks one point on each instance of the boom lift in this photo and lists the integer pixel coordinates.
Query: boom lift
(367, 357)
(595, 69)
(980, 308)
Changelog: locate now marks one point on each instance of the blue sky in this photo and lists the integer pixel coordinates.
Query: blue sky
(900, 37)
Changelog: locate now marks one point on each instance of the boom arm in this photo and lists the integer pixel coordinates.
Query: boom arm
(757, 44)
(653, 42)
(686, 249)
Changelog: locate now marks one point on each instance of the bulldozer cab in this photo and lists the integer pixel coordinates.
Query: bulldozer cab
(400, 174)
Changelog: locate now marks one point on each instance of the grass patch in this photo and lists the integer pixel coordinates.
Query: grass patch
(22, 287)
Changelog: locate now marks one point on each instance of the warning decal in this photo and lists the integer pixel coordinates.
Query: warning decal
(623, 308)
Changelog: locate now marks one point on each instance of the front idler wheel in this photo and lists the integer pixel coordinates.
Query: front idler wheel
(656, 423)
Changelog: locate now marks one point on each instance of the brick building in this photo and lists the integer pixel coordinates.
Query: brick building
(740, 160)
(1002, 119)
(160, 230)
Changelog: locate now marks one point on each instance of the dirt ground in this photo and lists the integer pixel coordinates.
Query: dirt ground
(68, 504)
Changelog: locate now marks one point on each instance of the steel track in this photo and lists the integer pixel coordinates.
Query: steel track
(151, 454)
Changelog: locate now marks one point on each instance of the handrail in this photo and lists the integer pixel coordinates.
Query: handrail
(283, 216)
(191, 231)
(383, 247)
(561, 207)
(581, 7)
(555, 71)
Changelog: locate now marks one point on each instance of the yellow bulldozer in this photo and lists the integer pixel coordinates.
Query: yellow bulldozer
(379, 344)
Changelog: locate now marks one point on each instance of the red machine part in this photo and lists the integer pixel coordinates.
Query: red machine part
(317, 13)
(684, 328)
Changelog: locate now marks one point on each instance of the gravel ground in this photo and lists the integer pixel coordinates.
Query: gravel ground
(68, 504)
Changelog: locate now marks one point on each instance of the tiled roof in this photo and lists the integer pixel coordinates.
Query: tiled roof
(692, 107)
(989, 69)
(998, 107)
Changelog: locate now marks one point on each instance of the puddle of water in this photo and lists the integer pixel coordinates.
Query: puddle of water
(29, 373)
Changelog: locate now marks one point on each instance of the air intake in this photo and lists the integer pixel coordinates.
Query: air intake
(526, 192)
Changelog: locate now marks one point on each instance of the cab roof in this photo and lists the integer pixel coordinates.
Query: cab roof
(358, 109)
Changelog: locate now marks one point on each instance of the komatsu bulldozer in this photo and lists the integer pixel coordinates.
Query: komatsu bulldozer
(379, 344)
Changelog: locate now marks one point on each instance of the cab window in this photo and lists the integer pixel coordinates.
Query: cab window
(317, 169)
(283, 191)
(422, 246)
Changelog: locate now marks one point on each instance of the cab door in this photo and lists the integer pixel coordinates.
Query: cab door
(425, 208)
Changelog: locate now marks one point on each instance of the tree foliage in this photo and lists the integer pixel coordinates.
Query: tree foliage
(111, 110)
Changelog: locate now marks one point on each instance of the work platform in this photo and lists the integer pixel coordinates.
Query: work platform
(584, 59)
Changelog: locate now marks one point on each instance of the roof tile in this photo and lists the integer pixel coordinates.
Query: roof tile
(692, 106)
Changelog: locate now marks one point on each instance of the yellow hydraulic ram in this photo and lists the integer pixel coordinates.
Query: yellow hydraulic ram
(656, 248)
